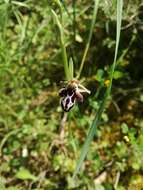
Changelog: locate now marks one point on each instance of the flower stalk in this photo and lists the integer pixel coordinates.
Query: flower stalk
(62, 44)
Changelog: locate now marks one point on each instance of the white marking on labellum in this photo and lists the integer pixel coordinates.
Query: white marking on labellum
(68, 102)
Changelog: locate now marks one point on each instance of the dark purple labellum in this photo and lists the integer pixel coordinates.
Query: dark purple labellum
(68, 101)
(63, 92)
(79, 96)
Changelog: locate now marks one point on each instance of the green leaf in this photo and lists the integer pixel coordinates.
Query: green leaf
(93, 128)
(71, 69)
(91, 133)
(99, 75)
(124, 128)
(25, 174)
(62, 44)
(96, 5)
(118, 74)
(118, 30)
(20, 4)
(135, 165)
(141, 97)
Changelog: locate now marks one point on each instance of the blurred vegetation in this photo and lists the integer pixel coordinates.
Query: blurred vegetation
(40, 144)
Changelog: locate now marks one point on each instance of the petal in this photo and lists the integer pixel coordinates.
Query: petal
(79, 96)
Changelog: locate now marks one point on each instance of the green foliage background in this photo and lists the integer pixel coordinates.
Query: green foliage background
(36, 151)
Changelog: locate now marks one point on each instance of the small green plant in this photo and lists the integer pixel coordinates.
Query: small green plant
(69, 73)
(73, 90)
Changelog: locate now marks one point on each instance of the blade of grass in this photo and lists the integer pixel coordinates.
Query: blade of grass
(93, 128)
(96, 5)
(71, 69)
(21, 4)
(22, 23)
(118, 31)
(60, 7)
(65, 8)
(74, 19)
(4, 17)
(126, 50)
(62, 44)
(91, 133)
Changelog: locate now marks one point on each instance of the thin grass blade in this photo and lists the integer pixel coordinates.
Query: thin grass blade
(71, 69)
(62, 44)
(118, 31)
(91, 133)
(93, 128)
(20, 4)
(96, 5)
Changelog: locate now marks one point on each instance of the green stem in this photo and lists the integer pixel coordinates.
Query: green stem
(118, 31)
(95, 123)
(64, 57)
(96, 3)
(62, 44)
